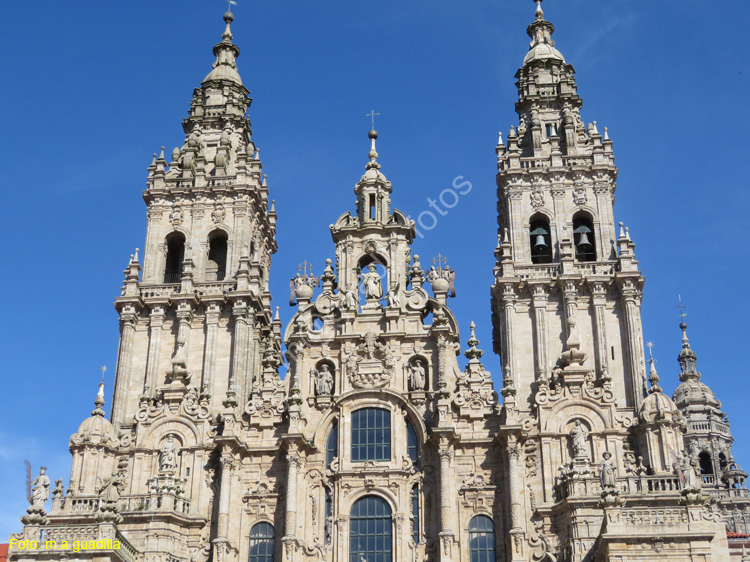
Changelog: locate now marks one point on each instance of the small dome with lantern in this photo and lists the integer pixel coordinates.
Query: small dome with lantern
(97, 429)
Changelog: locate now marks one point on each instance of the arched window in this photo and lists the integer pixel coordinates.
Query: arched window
(332, 445)
(583, 238)
(482, 539)
(175, 256)
(415, 514)
(371, 435)
(541, 241)
(261, 543)
(412, 448)
(216, 268)
(704, 459)
(370, 531)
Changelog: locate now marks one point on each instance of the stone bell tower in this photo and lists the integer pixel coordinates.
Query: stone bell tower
(567, 325)
(197, 332)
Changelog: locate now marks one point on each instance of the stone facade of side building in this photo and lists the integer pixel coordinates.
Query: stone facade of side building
(377, 446)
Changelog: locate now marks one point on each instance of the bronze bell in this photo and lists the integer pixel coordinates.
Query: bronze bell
(540, 245)
(583, 241)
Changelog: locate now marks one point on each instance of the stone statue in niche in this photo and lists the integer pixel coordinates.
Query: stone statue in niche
(372, 284)
(168, 455)
(323, 380)
(580, 444)
(40, 488)
(607, 475)
(417, 378)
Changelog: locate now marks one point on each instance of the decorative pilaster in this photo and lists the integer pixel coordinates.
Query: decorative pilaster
(599, 292)
(238, 371)
(221, 544)
(156, 323)
(445, 452)
(213, 312)
(294, 463)
(539, 304)
(631, 306)
(128, 319)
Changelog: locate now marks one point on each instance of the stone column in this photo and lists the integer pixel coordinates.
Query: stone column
(599, 292)
(156, 322)
(509, 312)
(213, 311)
(221, 542)
(239, 343)
(515, 489)
(293, 465)
(289, 540)
(446, 534)
(631, 306)
(124, 361)
(539, 304)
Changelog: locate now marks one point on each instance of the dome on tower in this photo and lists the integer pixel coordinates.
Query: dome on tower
(97, 429)
(543, 51)
(656, 407)
(693, 392)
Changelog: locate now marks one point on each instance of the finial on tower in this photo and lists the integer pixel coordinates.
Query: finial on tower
(99, 401)
(228, 18)
(373, 163)
(539, 12)
(653, 376)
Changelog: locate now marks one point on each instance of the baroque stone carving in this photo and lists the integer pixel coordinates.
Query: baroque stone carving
(371, 364)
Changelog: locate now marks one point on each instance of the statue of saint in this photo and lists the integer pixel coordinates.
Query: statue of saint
(168, 456)
(690, 471)
(350, 299)
(323, 380)
(394, 299)
(372, 284)
(417, 376)
(607, 475)
(40, 488)
(580, 445)
(110, 490)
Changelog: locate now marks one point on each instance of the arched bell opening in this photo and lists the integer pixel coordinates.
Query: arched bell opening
(583, 237)
(175, 244)
(704, 460)
(540, 240)
(216, 267)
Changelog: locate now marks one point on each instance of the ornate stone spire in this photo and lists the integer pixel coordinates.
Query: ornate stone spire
(687, 358)
(653, 376)
(226, 53)
(99, 401)
(542, 46)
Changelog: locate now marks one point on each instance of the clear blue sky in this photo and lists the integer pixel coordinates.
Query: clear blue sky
(91, 89)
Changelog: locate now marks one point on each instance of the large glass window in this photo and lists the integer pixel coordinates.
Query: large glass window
(332, 446)
(261, 543)
(370, 531)
(371, 435)
(482, 539)
(412, 449)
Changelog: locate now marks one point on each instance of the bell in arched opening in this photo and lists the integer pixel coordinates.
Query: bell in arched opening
(541, 247)
(583, 239)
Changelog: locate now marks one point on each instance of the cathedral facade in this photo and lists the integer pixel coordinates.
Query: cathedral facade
(377, 446)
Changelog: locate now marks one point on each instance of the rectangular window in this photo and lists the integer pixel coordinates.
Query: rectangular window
(371, 435)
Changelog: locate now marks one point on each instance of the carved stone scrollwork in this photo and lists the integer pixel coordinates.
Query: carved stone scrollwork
(371, 364)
